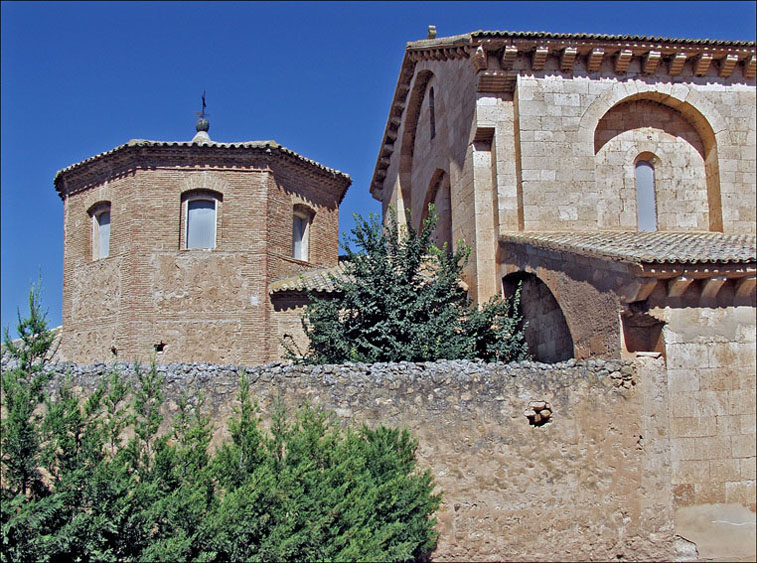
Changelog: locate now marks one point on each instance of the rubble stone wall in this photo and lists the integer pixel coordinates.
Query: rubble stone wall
(591, 480)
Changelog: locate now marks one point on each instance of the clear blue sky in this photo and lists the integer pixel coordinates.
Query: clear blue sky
(81, 78)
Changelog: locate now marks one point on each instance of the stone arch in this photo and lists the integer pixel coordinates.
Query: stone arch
(547, 333)
(692, 106)
(438, 193)
(412, 113)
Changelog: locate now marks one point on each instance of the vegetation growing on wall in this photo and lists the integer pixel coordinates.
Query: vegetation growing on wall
(402, 300)
(94, 480)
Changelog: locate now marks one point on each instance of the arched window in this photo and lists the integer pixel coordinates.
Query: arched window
(302, 217)
(100, 213)
(432, 112)
(646, 207)
(200, 209)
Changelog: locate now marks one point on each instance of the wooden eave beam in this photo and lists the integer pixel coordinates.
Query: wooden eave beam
(677, 286)
(711, 286)
(745, 286)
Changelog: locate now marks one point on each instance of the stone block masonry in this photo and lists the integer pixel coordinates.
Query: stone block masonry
(591, 483)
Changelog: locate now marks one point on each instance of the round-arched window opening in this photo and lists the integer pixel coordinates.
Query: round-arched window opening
(646, 204)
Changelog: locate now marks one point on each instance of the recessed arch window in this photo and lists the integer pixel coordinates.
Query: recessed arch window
(646, 206)
(100, 213)
(302, 217)
(200, 210)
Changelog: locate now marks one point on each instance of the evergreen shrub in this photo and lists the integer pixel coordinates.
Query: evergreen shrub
(94, 479)
(401, 299)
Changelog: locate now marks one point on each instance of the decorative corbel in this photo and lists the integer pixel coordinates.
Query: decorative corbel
(677, 286)
(595, 59)
(623, 60)
(540, 57)
(711, 286)
(745, 286)
(479, 59)
(702, 64)
(568, 59)
(728, 64)
(750, 65)
(676, 63)
(651, 60)
(508, 57)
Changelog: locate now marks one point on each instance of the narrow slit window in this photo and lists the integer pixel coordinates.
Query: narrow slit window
(645, 197)
(201, 223)
(432, 112)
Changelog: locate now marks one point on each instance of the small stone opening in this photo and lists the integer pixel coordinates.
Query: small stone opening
(160, 347)
(642, 333)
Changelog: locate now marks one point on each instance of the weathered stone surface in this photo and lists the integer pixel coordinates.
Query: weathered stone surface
(584, 486)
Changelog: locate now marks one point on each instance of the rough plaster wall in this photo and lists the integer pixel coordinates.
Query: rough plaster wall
(631, 129)
(585, 290)
(547, 333)
(592, 484)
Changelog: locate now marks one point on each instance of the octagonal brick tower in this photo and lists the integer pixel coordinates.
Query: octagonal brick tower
(169, 247)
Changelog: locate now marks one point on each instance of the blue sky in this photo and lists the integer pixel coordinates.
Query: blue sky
(80, 78)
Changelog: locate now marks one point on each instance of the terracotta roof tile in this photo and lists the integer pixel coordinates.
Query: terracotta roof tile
(657, 247)
(317, 280)
(272, 145)
(456, 39)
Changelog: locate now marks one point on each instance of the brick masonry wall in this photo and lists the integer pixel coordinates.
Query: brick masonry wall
(202, 305)
(591, 484)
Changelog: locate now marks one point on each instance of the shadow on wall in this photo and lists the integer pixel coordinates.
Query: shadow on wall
(547, 332)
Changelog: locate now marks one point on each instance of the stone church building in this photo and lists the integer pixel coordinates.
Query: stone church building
(613, 179)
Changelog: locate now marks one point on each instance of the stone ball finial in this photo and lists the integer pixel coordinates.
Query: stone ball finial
(431, 32)
(202, 125)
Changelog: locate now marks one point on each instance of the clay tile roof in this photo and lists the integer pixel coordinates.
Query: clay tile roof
(319, 280)
(544, 35)
(259, 145)
(657, 247)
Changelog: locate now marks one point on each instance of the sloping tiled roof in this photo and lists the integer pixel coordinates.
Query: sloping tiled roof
(259, 145)
(444, 41)
(657, 247)
(317, 280)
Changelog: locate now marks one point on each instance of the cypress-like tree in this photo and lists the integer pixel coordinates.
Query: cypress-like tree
(401, 298)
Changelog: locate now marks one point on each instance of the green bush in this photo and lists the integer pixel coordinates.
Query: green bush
(401, 299)
(73, 489)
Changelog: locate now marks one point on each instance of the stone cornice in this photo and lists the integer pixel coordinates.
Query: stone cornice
(498, 57)
(142, 154)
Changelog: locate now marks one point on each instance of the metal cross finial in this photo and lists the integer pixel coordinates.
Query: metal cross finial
(202, 113)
